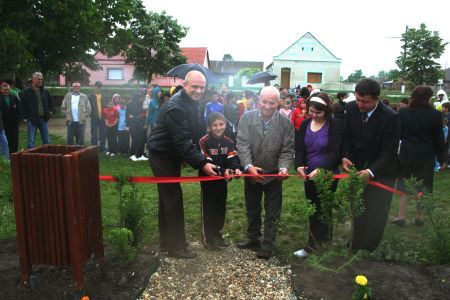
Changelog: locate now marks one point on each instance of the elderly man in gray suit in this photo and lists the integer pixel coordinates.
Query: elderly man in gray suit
(265, 144)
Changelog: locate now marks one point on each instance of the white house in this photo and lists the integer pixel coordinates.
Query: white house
(306, 61)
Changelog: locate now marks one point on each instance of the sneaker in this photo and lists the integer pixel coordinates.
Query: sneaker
(220, 242)
(301, 253)
(133, 158)
(399, 222)
(107, 153)
(112, 154)
(143, 158)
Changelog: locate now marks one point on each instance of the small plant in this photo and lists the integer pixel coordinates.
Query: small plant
(362, 291)
(121, 240)
(439, 233)
(133, 214)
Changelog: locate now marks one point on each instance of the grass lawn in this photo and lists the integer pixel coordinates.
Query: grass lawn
(407, 244)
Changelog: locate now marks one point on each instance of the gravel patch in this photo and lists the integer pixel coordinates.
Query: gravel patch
(230, 273)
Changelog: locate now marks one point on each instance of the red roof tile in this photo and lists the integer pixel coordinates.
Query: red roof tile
(196, 55)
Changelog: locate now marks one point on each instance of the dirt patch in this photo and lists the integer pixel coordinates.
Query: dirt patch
(387, 280)
(104, 278)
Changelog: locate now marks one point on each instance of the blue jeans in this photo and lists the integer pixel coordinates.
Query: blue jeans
(98, 132)
(40, 124)
(4, 150)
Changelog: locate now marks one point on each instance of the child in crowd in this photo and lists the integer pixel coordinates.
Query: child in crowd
(111, 116)
(286, 109)
(299, 114)
(123, 136)
(220, 151)
(437, 167)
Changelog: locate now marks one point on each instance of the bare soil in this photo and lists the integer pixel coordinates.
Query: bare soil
(387, 280)
(103, 278)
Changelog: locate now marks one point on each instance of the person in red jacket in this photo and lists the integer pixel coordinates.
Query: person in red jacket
(299, 114)
(111, 116)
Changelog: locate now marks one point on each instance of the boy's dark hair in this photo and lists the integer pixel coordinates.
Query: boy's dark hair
(212, 117)
(304, 93)
(341, 95)
(230, 96)
(368, 86)
(405, 101)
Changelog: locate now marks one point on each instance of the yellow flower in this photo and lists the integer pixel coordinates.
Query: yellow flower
(361, 280)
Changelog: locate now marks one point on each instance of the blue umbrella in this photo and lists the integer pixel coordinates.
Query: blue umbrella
(262, 77)
(180, 71)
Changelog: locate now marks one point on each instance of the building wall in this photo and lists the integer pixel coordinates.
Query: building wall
(299, 71)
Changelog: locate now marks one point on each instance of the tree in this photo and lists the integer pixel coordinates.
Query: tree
(57, 36)
(247, 72)
(356, 76)
(227, 57)
(153, 44)
(422, 48)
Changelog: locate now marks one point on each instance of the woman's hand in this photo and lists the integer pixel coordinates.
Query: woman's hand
(313, 173)
(302, 171)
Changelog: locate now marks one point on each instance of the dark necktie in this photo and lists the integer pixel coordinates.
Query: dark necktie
(364, 117)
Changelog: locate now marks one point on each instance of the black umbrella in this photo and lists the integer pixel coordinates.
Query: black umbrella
(181, 71)
(262, 77)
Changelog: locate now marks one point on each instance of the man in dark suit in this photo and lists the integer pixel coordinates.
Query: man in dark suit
(98, 125)
(370, 144)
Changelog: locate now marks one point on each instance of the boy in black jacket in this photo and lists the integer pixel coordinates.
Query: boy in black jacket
(220, 151)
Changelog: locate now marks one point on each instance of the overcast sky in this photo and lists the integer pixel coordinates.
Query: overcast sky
(361, 33)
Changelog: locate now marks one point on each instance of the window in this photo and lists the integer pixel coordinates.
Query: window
(314, 77)
(115, 74)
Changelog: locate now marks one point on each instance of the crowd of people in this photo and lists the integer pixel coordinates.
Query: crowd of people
(220, 133)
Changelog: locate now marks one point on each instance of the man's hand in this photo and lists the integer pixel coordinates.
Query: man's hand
(302, 171)
(346, 164)
(284, 173)
(256, 172)
(313, 173)
(364, 174)
(210, 169)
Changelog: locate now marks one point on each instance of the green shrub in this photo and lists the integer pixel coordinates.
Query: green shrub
(133, 214)
(121, 240)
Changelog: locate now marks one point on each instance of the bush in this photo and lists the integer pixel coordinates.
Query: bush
(121, 240)
(133, 214)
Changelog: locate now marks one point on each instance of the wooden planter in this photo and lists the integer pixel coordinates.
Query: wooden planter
(57, 208)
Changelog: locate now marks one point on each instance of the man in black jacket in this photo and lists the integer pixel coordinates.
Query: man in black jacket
(370, 144)
(36, 108)
(170, 143)
(98, 125)
(10, 110)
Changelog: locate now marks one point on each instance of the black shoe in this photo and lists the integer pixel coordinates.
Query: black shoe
(264, 254)
(182, 254)
(211, 246)
(419, 222)
(398, 222)
(220, 242)
(250, 244)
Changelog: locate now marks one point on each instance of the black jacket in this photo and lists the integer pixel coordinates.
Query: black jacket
(372, 145)
(94, 108)
(333, 152)
(11, 114)
(422, 137)
(220, 152)
(177, 129)
(29, 105)
(135, 115)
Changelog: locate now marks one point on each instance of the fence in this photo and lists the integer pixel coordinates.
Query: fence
(57, 208)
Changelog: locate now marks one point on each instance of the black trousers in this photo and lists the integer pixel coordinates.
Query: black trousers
(138, 136)
(123, 144)
(214, 206)
(319, 231)
(368, 228)
(75, 132)
(12, 135)
(111, 135)
(171, 211)
(272, 205)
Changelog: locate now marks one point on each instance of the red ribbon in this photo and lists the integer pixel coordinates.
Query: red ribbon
(186, 179)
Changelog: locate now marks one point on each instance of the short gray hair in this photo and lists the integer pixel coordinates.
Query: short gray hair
(37, 74)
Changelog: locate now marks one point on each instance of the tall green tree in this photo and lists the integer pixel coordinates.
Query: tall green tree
(56, 36)
(356, 76)
(418, 60)
(227, 57)
(154, 40)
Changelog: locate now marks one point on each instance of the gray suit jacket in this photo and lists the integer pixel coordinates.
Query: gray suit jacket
(271, 151)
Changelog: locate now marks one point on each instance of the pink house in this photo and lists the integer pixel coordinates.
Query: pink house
(115, 71)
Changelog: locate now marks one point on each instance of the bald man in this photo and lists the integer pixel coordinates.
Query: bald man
(265, 143)
(170, 143)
